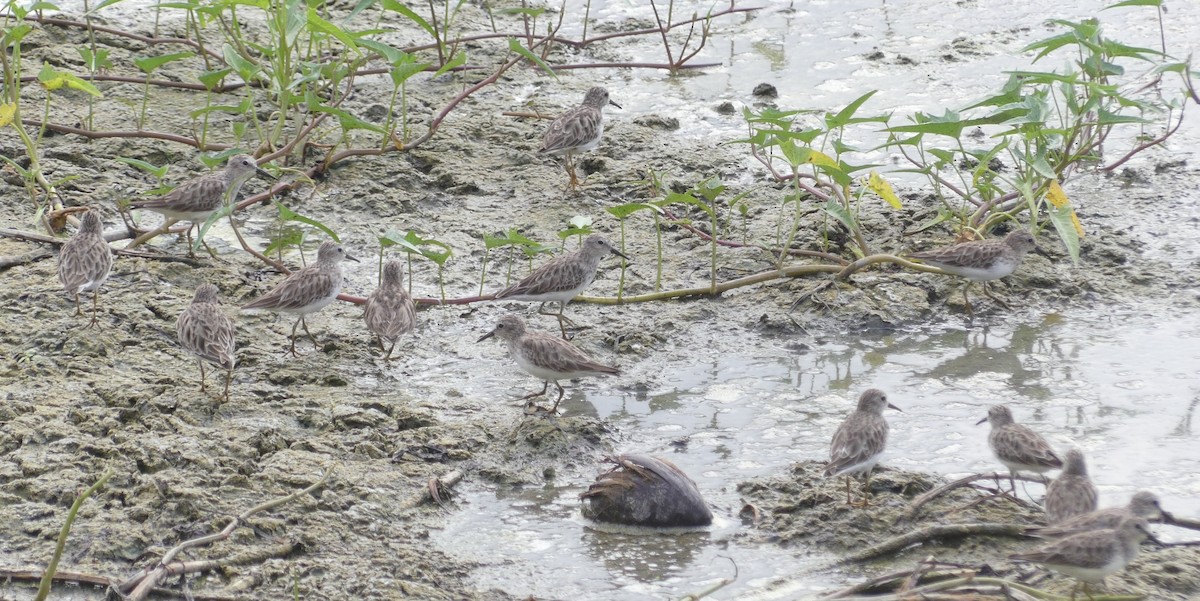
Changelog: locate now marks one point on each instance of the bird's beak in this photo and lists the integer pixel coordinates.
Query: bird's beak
(981, 421)
(619, 254)
(350, 257)
(1167, 518)
(486, 336)
(891, 406)
(263, 174)
(614, 104)
(1155, 540)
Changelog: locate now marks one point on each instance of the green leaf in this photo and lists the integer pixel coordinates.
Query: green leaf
(1134, 3)
(287, 236)
(316, 23)
(348, 121)
(627, 209)
(516, 46)
(53, 79)
(688, 199)
(490, 241)
(149, 64)
(838, 212)
(287, 214)
(16, 34)
(103, 4)
(225, 211)
(532, 12)
(210, 79)
(389, 53)
(358, 8)
(245, 69)
(156, 171)
(395, 6)
(845, 116)
(458, 60)
(240, 109)
(1064, 221)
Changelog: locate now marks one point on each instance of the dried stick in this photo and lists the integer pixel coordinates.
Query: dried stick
(931, 532)
(48, 575)
(143, 582)
(111, 236)
(433, 490)
(920, 501)
(716, 586)
(849, 270)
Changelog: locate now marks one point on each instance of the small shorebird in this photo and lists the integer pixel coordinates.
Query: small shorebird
(981, 260)
(546, 357)
(859, 442)
(577, 130)
(1018, 447)
(206, 332)
(85, 261)
(389, 312)
(562, 279)
(198, 198)
(1090, 557)
(307, 290)
(1144, 504)
(1072, 492)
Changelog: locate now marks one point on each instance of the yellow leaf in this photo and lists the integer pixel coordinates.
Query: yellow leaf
(883, 189)
(1056, 196)
(6, 113)
(818, 158)
(1075, 222)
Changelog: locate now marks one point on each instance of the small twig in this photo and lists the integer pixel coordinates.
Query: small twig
(432, 490)
(143, 582)
(7, 261)
(1140, 147)
(849, 270)
(932, 532)
(922, 500)
(78, 578)
(87, 133)
(716, 586)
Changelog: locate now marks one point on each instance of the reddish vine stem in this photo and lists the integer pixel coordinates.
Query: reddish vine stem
(90, 134)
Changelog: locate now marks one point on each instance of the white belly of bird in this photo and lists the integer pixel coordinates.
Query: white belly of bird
(543, 373)
(1093, 575)
(996, 271)
(193, 216)
(552, 296)
(313, 307)
(594, 141)
(861, 467)
(1021, 467)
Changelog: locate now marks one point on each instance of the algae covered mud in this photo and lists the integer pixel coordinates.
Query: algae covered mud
(741, 391)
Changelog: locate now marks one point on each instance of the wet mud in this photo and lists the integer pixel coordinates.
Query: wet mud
(125, 395)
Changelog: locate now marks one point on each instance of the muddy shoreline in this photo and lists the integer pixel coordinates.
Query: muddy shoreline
(125, 396)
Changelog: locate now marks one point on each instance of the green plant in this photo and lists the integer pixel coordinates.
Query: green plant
(579, 226)
(413, 244)
(621, 212)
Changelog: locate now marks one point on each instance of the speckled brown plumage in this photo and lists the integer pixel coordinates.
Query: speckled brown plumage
(390, 313)
(1091, 556)
(577, 130)
(1072, 492)
(1144, 504)
(206, 332)
(1018, 447)
(981, 260)
(860, 440)
(85, 261)
(562, 279)
(306, 290)
(546, 357)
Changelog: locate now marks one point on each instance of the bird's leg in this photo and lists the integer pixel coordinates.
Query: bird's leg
(309, 334)
(78, 309)
(293, 336)
(388, 356)
(554, 409)
(847, 479)
(988, 293)
(95, 307)
(202, 376)
(574, 183)
(866, 500)
(545, 386)
(966, 299)
(228, 378)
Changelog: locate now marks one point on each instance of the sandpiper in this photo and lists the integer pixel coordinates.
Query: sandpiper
(1018, 447)
(546, 357)
(198, 198)
(577, 130)
(859, 441)
(1072, 492)
(1091, 556)
(206, 332)
(389, 312)
(1144, 504)
(85, 261)
(981, 260)
(562, 279)
(307, 290)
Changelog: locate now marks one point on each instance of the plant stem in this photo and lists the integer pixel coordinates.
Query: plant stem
(48, 575)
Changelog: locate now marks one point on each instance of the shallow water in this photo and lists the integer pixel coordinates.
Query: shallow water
(1119, 384)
